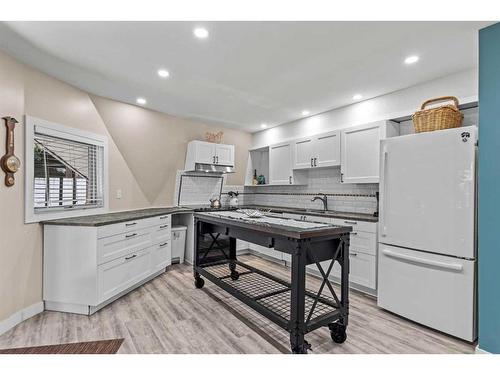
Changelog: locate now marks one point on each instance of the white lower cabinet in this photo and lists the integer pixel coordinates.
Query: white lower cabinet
(362, 269)
(119, 274)
(267, 251)
(362, 251)
(161, 255)
(87, 267)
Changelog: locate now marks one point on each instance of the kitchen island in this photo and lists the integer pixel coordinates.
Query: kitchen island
(287, 304)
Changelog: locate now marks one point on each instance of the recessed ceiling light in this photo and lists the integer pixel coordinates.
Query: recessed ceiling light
(200, 32)
(141, 101)
(411, 59)
(357, 97)
(263, 126)
(163, 73)
(305, 112)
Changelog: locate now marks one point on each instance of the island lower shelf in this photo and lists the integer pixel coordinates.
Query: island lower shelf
(268, 294)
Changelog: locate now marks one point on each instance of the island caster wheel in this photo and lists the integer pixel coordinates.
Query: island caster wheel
(338, 332)
(235, 275)
(199, 282)
(302, 349)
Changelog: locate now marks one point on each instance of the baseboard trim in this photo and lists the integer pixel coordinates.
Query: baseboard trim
(478, 350)
(20, 316)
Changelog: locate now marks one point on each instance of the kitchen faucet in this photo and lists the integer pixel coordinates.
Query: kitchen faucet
(323, 199)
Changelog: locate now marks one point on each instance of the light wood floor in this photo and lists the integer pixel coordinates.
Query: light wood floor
(168, 315)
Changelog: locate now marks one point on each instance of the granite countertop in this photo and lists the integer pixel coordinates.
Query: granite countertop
(303, 211)
(117, 217)
(273, 225)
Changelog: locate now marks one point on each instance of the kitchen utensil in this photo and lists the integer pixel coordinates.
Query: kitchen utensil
(255, 214)
(233, 198)
(215, 203)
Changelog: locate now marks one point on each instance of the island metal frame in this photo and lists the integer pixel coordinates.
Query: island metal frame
(288, 304)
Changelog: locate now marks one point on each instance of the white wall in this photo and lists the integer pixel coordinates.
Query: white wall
(463, 85)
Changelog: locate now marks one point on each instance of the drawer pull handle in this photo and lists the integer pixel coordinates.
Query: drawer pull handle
(163, 217)
(130, 224)
(131, 257)
(130, 235)
(163, 244)
(354, 233)
(350, 222)
(163, 226)
(354, 254)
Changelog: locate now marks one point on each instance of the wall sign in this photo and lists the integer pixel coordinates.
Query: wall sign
(9, 162)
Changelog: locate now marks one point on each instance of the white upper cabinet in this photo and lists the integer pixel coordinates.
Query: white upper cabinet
(303, 153)
(224, 154)
(360, 151)
(280, 164)
(209, 153)
(327, 148)
(204, 152)
(321, 150)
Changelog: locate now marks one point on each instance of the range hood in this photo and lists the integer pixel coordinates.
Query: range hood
(206, 157)
(212, 168)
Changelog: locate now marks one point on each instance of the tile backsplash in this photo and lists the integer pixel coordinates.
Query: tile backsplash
(359, 198)
(196, 189)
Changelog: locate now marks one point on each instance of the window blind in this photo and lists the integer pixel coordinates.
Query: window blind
(68, 174)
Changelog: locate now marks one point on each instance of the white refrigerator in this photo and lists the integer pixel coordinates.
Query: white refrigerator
(427, 231)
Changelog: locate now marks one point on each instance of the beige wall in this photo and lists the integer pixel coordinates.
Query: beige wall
(145, 150)
(154, 145)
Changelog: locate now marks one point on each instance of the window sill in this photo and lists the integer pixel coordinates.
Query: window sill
(63, 214)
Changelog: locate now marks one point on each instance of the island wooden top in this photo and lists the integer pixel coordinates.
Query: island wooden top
(272, 225)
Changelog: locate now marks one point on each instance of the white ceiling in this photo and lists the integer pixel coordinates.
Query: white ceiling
(244, 73)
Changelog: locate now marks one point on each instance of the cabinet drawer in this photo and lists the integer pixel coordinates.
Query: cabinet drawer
(127, 226)
(357, 226)
(161, 233)
(363, 242)
(113, 247)
(161, 255)
(120, 274)
(118, 228)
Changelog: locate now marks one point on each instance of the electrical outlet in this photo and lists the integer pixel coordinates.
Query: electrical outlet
(119, 194)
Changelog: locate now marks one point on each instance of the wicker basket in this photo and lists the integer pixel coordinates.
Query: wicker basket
(438, 118)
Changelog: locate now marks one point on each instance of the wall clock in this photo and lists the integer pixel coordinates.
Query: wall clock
(10, 163)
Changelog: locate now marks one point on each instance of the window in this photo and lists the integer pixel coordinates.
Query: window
(65, 171)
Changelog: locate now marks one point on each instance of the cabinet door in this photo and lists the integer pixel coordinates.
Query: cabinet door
(205, 152)
(224, 155)
(360, 154)
(161, 256)
(280, 164)
(327, 149)
(303, 153)
(362, 269)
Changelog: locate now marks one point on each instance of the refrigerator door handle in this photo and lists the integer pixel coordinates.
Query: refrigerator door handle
(383, 231)
(428, 262)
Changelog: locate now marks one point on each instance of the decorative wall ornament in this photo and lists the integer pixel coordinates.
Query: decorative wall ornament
(214, 137)
(10, 163)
